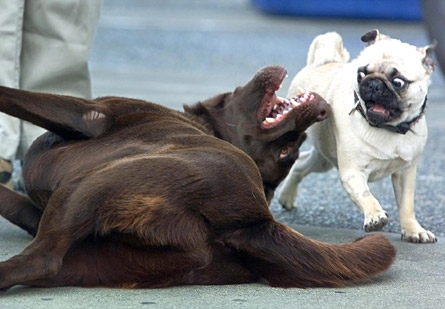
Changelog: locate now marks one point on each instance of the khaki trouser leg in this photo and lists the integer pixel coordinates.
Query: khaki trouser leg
(45, 48)
(11, 23)
(57, 39)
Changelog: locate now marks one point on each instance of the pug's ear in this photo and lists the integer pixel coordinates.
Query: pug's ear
(373, 36)
(427, 52)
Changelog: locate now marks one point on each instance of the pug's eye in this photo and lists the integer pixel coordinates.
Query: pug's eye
(360, 76)
(285, 152)
(398, 83)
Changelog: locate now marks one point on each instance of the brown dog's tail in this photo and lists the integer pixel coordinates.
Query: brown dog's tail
(285, 258)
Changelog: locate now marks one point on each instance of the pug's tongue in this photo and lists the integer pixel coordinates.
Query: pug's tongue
(379, 109)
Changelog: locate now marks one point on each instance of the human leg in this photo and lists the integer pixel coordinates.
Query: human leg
(434, 11)
(57, 38)
(11, 20)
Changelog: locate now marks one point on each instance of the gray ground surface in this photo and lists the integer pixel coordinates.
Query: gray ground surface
(179, 52)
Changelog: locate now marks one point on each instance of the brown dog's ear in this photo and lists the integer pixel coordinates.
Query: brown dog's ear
(373, 36)
(197, 109)
(428, 61)
(209, 111)
(200, 108)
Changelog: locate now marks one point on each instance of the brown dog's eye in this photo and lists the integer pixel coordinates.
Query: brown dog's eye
(285, 152)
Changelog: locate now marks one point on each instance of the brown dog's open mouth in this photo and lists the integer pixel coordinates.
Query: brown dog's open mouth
(276, 109)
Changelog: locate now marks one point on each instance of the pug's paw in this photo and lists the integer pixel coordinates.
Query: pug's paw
(375, 222)
(415, 233)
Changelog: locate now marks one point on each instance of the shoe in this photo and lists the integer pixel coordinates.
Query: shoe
(6, 174)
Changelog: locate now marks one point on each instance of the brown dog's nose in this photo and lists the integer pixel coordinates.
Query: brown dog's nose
(324, 110)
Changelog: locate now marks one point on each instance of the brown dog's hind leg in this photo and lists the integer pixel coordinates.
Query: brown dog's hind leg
(226, 267)
(70, 117)
(114, 264)
(19, 210)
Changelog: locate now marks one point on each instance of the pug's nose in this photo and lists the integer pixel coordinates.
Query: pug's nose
(375, 86)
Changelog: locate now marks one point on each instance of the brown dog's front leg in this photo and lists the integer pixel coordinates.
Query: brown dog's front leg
(19, 210)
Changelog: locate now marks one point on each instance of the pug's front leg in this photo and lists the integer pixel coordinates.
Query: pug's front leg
(356, 185)
(404, 183)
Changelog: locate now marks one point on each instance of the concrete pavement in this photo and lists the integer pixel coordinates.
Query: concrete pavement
(176, 53)
(415, 280)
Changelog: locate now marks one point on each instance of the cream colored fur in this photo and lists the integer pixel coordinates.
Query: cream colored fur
(346, 141)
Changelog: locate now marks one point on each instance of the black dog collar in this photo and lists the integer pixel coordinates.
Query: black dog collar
(401, 128)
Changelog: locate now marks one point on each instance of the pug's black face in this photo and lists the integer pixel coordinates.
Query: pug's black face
(382, 94)
(392, 79)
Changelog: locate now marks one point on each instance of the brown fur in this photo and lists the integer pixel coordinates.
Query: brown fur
(126, 193)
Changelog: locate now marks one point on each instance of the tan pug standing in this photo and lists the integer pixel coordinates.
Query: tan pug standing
(377, 127)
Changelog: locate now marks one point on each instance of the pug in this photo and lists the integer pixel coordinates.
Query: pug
(377, 127)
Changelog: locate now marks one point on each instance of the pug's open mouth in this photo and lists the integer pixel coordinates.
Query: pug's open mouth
(378, 112)
(381, 113)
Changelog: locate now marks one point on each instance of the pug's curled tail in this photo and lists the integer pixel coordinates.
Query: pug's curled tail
(286, 258)
(327, 48)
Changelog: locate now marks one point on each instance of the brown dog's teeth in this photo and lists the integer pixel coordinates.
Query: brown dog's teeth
(268, 120)
(294, 101)
(309, 96)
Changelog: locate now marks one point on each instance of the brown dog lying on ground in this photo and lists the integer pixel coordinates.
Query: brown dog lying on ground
(126, 193)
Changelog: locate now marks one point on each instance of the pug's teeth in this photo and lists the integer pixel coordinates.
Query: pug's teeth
(268, 120)
(275, 106)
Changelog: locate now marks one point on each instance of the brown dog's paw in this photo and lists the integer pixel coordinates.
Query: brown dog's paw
(3, 285)
(4, 289)
(375, 223)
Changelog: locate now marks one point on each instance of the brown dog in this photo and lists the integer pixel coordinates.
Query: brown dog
(127, 193)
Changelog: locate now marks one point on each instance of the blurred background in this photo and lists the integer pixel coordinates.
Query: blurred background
(179, 52)
(175, 52)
